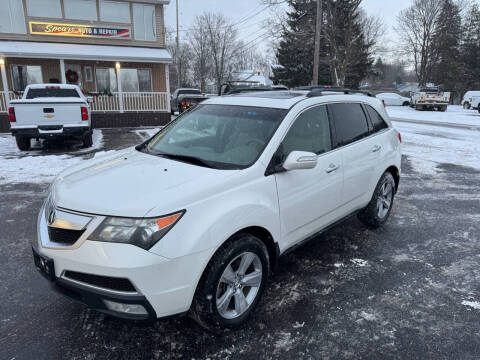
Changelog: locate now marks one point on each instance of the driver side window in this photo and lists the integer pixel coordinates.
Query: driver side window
(310, 132)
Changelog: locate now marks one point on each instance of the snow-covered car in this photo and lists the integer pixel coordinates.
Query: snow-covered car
(471, 100)
(392, 99)
(50, 110)
(194, 224)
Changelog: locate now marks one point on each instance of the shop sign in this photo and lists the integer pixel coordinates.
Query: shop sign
(88, 31)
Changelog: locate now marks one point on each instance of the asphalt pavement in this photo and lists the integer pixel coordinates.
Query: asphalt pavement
(410, 290)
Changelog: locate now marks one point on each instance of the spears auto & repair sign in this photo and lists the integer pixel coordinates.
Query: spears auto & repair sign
(41, 28)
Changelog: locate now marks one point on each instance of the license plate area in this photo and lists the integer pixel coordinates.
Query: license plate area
(44, 265)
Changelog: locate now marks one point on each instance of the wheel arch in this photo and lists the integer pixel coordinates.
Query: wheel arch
(396, 175)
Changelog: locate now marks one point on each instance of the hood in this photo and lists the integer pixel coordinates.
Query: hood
(130, 183)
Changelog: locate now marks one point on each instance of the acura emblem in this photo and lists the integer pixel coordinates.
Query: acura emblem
(51, 216)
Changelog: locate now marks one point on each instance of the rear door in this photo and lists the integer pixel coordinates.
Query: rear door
(308, 198)
(360, 151)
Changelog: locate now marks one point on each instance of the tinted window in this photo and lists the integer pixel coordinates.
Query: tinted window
(350, 122)
(377, 121)
(310, 132)
(193, 92)
(60, 93)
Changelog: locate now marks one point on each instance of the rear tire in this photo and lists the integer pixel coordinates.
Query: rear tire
(223, 300)
(378, 210)
(87, 140)
(23, 143)
(443, 108)
(406, 103)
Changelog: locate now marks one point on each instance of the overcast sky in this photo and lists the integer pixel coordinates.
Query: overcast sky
(251, 11)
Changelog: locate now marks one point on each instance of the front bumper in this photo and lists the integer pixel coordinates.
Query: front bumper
(164, 287)
(51, 131)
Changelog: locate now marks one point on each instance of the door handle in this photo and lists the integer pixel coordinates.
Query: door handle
(376, 148)
(332, 168)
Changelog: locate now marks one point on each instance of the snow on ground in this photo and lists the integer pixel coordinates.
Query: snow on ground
(473, 304)
(454, 115)
(19, 166)
(428, 146)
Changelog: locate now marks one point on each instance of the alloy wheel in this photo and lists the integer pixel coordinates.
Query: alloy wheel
(384, 201)
(239, 285)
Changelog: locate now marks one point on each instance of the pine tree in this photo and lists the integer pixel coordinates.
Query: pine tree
(470, 51)
(447, 37)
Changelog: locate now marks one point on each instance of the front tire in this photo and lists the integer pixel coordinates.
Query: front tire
(466, 105)
(232, 284)
(378, 210)
(23, 143)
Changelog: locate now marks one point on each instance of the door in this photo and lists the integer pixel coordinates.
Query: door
(359, 149)
(308, 198)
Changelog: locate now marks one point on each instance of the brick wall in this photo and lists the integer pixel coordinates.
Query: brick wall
(113, 120)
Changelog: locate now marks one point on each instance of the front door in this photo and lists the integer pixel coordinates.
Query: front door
(308, 198)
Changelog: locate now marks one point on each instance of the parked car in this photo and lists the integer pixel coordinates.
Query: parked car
(392, 99)
(194, 224)
(50, 111)
(471, 100)
(243, 86)
(184, 99)
(430, 98)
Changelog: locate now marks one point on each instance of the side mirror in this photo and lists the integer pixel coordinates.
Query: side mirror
(90, 100)
(300, 160)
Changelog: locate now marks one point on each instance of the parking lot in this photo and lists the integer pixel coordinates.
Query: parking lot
(409, 290)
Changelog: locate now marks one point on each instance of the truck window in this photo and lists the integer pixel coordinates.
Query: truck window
(194, 92)
(48, 92)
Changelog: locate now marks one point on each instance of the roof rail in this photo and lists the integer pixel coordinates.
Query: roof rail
(319, 92)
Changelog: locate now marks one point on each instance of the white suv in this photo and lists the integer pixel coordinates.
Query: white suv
(193, 220)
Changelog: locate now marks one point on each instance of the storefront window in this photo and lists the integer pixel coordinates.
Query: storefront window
(44, 8)
(80, 9)
(133, 80)
(12, 19)
(144, 22)
(23, 75)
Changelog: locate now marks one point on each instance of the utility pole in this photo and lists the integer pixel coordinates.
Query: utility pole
(178, 52)
(318, 31)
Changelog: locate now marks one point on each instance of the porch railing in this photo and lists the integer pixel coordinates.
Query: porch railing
(132, 102)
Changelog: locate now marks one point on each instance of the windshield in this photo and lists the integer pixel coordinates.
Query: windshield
(218, 136)
(189, 92)
(51, 92)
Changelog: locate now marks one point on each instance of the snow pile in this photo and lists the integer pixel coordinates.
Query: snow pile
(473, 304)
(428, 146)
(32, 167)
(454, 115)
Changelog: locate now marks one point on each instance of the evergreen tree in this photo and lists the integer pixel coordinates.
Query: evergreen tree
(470, 51)
(446, 39)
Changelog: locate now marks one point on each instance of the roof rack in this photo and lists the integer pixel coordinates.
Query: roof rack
(319, 91)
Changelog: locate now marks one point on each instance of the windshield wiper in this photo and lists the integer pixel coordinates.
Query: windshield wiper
(186, 158)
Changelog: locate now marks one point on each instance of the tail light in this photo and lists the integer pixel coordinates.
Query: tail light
(384, 105)
(84, 113)
(400, 137)
(11, 114)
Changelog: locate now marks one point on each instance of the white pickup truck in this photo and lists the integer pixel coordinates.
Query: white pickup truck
(50, 110)
(430, 98)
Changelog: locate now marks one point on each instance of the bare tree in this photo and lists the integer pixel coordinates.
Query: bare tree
(222, 38)
(416, 28)
(200, 45)
(182, 59)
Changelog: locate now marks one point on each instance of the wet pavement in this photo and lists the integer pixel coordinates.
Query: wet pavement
(410, 290)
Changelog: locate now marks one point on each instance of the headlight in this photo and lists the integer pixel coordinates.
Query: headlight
(140, 232)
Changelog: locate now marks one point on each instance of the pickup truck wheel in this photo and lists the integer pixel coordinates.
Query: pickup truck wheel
(443, 108)
(87, 140)
(378, 210)
(23, 142)
(232, 284)
(466, 105)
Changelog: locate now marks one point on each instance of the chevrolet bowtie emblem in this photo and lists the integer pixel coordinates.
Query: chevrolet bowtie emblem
(49, 116)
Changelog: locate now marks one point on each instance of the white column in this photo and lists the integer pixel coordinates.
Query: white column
(5, 82)
(167, 80)
(119, 86)
(63, 77)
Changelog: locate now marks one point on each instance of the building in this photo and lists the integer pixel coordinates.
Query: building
(113, 49)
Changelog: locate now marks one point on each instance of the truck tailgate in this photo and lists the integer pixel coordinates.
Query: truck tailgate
(46, 113)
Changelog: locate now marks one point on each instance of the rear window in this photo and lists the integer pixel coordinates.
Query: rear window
(59, 93)
(377, 121)
(193, 92)
(350, 123)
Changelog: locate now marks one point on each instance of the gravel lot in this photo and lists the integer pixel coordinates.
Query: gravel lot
(410, 290)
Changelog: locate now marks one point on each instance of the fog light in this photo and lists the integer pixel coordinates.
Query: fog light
(134, 309)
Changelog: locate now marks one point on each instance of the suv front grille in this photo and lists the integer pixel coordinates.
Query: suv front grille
(64, 236)
(106, 282)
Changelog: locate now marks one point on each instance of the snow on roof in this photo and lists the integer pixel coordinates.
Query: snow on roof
(29, 49)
